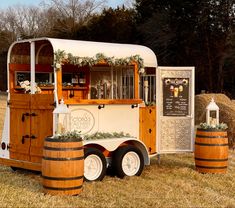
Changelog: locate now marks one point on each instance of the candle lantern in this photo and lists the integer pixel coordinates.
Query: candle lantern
(212, 113)
(62, 119)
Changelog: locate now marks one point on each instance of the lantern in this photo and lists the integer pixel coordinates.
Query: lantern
(212, 113)
(62, 118)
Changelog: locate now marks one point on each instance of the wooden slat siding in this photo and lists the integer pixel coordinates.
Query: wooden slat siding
(26, 67)
(147, 121)
(59, 83)
(19, 104)
(21, 164)
(41, 125)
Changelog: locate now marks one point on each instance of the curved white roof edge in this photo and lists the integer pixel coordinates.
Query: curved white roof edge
(90, 49)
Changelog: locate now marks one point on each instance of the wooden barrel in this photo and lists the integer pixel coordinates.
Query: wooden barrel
(211, 151)
(62, 167)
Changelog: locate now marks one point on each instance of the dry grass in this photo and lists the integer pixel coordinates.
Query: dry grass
(173, 183)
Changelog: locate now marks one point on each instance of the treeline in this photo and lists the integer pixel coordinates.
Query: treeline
(196, 33)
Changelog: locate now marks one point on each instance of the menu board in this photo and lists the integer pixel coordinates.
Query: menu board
(175, 96)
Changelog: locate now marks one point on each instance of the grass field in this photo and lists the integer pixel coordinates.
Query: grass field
(173, 183)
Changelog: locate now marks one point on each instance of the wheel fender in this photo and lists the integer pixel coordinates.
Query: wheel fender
(141, 146)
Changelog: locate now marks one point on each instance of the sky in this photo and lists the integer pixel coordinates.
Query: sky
(6, 3)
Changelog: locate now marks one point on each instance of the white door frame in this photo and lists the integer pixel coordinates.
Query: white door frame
(174, 72)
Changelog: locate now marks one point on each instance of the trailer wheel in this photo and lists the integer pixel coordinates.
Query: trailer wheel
(14, 168)
(128, 161)
(95, 165)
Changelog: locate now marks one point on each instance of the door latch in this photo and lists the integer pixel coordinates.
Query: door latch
(23, 116)
(27, 114)
(23, 138)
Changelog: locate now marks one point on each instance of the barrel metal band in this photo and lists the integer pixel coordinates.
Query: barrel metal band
(62, 149)
(62, 178)
(205, 144)
(62, 159)
(211, 137)
(212, 160)
(209, 167)
(50, 139)
(62, 189)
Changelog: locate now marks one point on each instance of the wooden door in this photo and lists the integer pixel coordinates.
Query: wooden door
(41, 124)
(31, 120)
(20, 126)
(148, 127)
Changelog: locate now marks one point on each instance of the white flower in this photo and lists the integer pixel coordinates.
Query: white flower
(27, 82)
(66, 56)
(142, 70)
(58, 66)
(27, 88)
(22, 85)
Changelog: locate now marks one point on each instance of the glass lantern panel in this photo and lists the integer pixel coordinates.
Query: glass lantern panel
(213, 114)
(63, 124)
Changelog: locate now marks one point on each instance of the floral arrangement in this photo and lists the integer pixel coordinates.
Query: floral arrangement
(69, 136)
(102, 135)
(60, 57)
(221, 126)
(26, 86)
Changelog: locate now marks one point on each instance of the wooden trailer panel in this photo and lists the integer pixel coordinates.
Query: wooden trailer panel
(147, 125)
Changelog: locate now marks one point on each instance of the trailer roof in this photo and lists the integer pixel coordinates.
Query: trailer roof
(90, 49)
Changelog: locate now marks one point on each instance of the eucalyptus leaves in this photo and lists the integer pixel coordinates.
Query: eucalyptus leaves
(61, 57)
(68, 136)
(105, 135)
(221, 126)
(76, 136)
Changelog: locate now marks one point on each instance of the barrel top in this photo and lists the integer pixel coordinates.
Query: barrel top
(52, 139)
(211, 130)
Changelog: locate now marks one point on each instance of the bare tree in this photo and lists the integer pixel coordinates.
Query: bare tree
(22, 21)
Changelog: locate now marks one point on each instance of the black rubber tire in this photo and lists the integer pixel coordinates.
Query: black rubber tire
(93, 151)
(118, 157)
(14, 168)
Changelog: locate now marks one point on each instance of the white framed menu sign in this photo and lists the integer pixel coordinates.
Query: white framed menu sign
(175, 109)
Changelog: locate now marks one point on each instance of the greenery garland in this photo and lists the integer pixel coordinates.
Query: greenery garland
(61, 57)
(220, 126)
(105, 135)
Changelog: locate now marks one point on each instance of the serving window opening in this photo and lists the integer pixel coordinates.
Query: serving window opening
(112, 82)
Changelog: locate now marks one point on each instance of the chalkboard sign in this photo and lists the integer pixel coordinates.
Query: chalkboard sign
(22, 76)
(175, 96)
